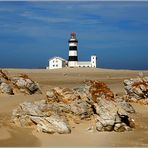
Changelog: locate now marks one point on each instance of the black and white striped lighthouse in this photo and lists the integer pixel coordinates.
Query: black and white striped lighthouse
(73, 58)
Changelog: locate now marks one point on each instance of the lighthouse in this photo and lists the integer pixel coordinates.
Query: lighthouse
(58, 62)
(73, 58)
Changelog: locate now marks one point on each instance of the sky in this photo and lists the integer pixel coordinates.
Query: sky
(32, 32)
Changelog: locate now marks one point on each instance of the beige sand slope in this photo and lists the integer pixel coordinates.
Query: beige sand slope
(12, 136)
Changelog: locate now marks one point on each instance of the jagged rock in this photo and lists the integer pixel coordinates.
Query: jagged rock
(21, 115)
(51, 96)
(99, 89)
(84, 94)
(109, 113)
(25, 84)
(126, 106)
(28, 114)
(52, 124)
(6, 88)
(81, 108)
(136, 88)
(59, 94)
(22, 83)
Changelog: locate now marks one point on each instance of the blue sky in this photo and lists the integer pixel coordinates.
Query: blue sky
(32, 32)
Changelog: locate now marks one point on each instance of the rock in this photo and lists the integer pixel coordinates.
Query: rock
(99, 89)
(51, 96)
(25, 84)
(125, 105)
(21, 115)
(119, 127)
(59, 108)
(66, 95)
(28, 114)
(81, 108)
(109, 113)
(52, 124)
(6, 88)
(31, 109)
(136, 88)
(84, 94)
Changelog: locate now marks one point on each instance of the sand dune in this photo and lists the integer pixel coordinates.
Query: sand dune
(12, 136)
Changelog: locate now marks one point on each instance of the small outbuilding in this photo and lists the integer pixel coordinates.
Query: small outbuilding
(56, 62)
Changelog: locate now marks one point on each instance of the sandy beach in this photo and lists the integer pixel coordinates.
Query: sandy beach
(66, 77)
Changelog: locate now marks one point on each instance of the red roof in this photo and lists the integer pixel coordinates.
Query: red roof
(73, 34)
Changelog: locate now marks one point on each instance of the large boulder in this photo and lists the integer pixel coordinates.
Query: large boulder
(136, 89)
(52, 124)
(25, 84)
(39, 114)
(110, 115)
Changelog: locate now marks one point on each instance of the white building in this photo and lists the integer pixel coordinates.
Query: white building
(57, 62)
(91, 63)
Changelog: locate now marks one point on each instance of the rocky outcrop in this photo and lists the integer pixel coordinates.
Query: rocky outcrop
(61, 105)
(22, 83)
(137, 89)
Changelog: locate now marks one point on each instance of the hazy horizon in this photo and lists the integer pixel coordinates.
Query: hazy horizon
(33, 32)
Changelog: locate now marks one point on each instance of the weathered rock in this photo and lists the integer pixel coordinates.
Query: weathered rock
(21, 115)
(28, 114)
(59, 94)
(136, 88)
(52, 96)
(52, 124)
(109, 113)
(125, 105)
(6, 88)
(22, 83)
(99, 89)
(25, 84)
(84, 94)
(81, 108)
